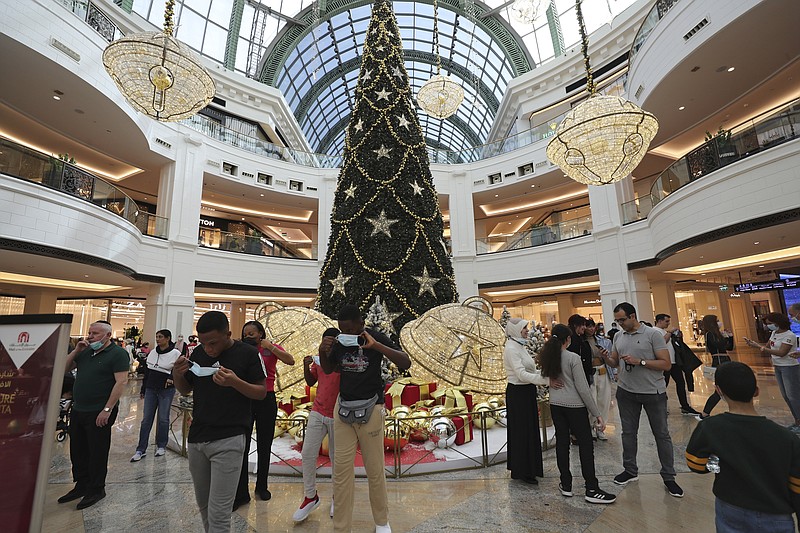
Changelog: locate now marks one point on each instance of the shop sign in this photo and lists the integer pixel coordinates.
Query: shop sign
(593, 302)
(777, 284)
(734, 295)
(723, 288)
(206, 222)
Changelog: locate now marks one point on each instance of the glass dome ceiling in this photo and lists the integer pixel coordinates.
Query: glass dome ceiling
(311, 52)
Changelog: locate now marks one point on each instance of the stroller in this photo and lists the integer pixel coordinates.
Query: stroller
(62, 426)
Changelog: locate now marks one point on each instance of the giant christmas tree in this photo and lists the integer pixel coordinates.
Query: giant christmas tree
(386, 226)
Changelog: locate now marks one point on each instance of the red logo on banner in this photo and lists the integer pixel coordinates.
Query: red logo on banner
(24, 337)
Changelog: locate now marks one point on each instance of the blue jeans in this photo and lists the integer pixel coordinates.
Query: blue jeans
(732, 519)
(789, 384)
(160, 399)
(630, 410)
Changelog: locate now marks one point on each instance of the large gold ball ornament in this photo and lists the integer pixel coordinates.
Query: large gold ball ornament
(281, 423)
(298, 331)
(442, 431)
(457, 345)
(495, 402)
(401, 411)
(298, 418)
(418, 427)
(487, 420)
(392, 431)
(324, 448)
(436, 410)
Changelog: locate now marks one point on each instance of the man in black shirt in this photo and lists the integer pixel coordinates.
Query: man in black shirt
(225, 375)
(357, 354)
(579, 345)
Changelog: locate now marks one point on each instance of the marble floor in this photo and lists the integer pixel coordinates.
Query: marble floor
(156, 494)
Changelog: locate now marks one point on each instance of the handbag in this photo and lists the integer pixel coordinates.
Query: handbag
(356, 411)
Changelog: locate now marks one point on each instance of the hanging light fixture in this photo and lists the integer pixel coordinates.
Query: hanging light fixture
(441, 95)
(525, 11)
(604, 138)
(157, 74)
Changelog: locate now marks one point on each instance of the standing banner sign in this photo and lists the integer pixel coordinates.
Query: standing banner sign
(33, 351)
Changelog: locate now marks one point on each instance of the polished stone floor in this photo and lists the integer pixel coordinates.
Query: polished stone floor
(156, 494)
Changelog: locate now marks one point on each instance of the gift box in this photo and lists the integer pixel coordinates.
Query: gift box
(311, 393)
(463, 424)
(408, 391)
(288, 401)
(454, 398)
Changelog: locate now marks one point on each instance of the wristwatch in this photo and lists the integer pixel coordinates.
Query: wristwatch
(643, 363)
(106, 409)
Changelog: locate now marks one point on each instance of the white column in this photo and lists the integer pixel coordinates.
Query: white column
(327, 193)
(180, 192)
(664, 299)
(462, 234)
(617, 284)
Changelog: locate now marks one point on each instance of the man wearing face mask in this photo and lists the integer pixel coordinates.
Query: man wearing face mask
(357, 353)
(100, 381)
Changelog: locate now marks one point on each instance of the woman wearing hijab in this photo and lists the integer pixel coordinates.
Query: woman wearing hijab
(524, 441)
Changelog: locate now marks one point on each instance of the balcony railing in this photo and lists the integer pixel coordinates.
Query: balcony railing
(536, 236)
(95, 17)
(768, 130)
(257, 245)
(659, 10)
(28, 164)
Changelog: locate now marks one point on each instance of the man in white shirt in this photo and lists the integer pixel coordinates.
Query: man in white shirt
(675, 372)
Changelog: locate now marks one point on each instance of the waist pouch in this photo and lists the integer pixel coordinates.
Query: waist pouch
(356, 411)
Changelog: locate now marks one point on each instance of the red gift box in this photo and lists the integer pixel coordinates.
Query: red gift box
(407, 391)
(463, 428)
(454, 398)
(288, 401)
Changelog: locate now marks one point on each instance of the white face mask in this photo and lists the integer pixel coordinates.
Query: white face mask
(348, 340)
(203, 371)
(772, 327)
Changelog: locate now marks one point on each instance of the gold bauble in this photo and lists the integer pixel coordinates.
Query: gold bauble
(395, 430)
(281, 423)
(487, 421)
(401, 411)
(495, 402)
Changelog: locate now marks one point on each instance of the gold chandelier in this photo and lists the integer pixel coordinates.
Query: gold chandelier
(604, 138)
(157, 74)
(441, 95)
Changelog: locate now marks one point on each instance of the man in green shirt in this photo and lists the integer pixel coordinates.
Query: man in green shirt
(756, 461)
(100, 381)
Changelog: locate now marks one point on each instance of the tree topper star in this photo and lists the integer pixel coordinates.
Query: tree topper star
(382, 224)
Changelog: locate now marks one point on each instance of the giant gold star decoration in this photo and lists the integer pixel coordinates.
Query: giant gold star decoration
(383, 152)
(383, 94)
(339, 283)
(382, 224)
(470, 347)
(426, 282)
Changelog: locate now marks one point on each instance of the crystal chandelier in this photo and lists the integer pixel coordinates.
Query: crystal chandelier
(441, 95)
(604, 138)
(525, 11)
(157, 74)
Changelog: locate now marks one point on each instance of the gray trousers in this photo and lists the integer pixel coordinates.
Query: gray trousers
(215, 467)
(630, 411)
(316, 429)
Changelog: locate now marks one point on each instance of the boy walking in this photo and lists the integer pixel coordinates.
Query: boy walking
(756, 461)
(225, 375)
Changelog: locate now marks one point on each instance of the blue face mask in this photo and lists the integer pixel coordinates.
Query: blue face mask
(96, 345)
(203, 371)
(350, 340)
(772, 327)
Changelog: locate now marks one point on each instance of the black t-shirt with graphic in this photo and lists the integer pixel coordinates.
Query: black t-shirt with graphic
(360, 369)
(223, 412)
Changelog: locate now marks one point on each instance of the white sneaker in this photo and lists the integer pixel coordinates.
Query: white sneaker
(331, 507)
(383, 529)
(601, 435)
(137, 457)
(308, 505)
(160, 452)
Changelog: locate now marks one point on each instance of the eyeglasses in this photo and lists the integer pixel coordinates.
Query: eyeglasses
(621, 321)
(629, 367)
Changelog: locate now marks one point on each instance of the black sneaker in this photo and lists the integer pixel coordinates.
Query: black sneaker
(674, 489)
(689, 411)
(74, 494)
(565, 491)
(599, 496)
(625, 478)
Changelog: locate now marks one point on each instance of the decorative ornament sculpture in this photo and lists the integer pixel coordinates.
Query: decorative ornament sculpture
(604, 138)
(440, 96)
(159, 75)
